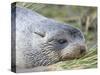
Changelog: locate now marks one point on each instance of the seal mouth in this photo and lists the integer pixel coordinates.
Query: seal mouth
(64, 58)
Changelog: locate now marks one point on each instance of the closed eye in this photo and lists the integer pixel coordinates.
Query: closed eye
(62, 41)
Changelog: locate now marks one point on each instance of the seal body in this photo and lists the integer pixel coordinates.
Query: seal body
(41, 41)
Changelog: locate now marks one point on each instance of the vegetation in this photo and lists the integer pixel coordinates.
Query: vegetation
(82, 17)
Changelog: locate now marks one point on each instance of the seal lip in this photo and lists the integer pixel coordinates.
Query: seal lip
(74, 57)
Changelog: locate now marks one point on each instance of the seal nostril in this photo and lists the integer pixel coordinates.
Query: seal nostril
(82, 50)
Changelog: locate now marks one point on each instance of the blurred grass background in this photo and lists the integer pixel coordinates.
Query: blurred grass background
(82, 17)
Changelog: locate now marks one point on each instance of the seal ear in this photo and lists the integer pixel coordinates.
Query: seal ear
(40, 34)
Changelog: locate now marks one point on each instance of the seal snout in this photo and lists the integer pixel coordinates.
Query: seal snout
(73, 51)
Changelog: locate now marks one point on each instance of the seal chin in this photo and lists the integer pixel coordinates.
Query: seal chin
(70, 58)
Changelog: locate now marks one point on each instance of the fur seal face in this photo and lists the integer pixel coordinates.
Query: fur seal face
(66, 41)
(41, 41)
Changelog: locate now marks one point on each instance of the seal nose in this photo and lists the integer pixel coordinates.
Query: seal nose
(82, 49)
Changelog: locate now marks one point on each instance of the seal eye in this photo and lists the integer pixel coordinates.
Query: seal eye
(62, 41)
